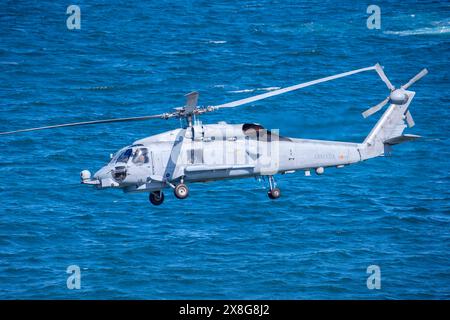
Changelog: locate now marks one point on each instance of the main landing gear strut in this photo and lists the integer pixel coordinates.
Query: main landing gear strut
(181, 191)
(274, 192)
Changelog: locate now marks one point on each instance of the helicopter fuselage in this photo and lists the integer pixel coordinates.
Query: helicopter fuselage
(201, 153)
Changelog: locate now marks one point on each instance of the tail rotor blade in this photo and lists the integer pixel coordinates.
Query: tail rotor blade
(414, 79)
(409, 119)
(376, 108)
(383, 77)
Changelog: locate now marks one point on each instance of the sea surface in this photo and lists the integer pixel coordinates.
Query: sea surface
(227, 240)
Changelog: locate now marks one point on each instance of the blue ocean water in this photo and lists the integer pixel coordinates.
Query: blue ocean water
(227, 240)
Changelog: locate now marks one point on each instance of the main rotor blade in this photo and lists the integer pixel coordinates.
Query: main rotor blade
(291, 88)
(417, 77)
(376, 108)
(162, 116)
(383, 77)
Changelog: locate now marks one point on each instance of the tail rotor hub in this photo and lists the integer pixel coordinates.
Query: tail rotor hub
(398, 97)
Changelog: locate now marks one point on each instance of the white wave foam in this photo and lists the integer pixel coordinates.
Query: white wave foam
(257, 89)
(96, 88)
(421, 31)
(217, 41)
(241, 91)
(269, 88)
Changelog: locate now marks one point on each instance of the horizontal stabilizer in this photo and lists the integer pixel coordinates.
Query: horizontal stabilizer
(401, 139)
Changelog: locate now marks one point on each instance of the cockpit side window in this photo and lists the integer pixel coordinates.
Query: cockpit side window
(140, 156)
(124, 156)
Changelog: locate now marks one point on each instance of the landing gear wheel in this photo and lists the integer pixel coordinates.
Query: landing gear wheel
(156, 197)
(181, 191)
(275, 193)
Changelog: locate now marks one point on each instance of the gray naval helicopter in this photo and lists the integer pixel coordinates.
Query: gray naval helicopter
(199, 152)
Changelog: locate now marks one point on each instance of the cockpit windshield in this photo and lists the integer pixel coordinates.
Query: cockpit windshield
(139, 155)
(124, 156)
(116, 155)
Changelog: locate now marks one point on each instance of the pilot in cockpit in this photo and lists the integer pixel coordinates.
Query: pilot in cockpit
(140, 156)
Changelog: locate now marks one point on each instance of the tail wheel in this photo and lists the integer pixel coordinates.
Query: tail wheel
(181, 191)
(156, 198)
(275, 193)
